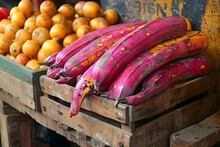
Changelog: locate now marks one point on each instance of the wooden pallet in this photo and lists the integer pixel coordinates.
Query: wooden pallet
(139, 125)
(205, 133)
(21, 82)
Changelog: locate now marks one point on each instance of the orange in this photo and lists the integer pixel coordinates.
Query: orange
(33, 64)
(58, 31)
(14, 10)
(40, 34)
(69, 39)
(111, 16)
(3, 23)
(91, 9)
(30, 48)
(48, 7)
(42, 55)
(15, 48)
(43, 20)
(11, 30)
(98, 23)
(25, 6)
(5, 42)
(21, 59)
(49, 47)
(18, 18)
(59, 18)
(67, 10)
(79, 21)
(22, 35)
(30, 24)
(83, 30)
(69, 27)
(79, 7)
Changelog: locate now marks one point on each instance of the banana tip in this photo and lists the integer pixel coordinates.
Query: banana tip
(73, 113)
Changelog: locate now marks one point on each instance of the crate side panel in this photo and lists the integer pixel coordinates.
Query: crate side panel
(23, 91)
(92, 126)
(93, 103)
(176, 120)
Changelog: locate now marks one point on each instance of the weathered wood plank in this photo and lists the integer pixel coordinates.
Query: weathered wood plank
(22, 91)
(101, 130)
(178, 119)
(171, 97)
(205, 133)
(92, 103)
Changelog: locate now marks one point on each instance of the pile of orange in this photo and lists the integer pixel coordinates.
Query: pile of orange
(29, 37)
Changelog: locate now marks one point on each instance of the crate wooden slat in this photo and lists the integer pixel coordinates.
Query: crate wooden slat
(21, 82)
(205, 133)
(113, 135)
(127, 114)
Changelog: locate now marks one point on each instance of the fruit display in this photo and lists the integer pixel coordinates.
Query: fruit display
(188, 45)
(115, 63)
(29, 34)
(83, 46)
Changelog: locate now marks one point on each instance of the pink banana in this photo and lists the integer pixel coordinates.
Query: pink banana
(79, 44)
(66, 80)
(52, 72)
(50, 59)
(113, 61)
(83, 87)
(190, 44)
(81, 61)
(171, 73)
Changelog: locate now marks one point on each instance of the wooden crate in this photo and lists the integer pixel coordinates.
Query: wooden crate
(21, 82)
(141, 125)
(205, 133)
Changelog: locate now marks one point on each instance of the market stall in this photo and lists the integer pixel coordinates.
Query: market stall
(130, 76)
